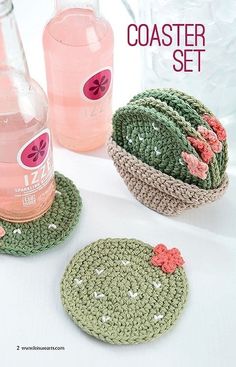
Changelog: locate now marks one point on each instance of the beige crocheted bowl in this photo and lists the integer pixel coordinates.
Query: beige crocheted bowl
(157, 190)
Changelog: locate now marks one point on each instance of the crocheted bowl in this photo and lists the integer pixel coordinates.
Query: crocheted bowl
(170, 150)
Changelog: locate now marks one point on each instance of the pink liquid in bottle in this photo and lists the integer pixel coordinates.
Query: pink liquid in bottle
(27, 179)
(79, 56)
(26, 172)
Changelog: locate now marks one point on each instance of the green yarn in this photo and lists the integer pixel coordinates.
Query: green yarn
(191, 110)
(113, 293)
(23, 239)
(154, 127)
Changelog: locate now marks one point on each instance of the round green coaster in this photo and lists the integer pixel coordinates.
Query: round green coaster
(23, 239)
(112, 290)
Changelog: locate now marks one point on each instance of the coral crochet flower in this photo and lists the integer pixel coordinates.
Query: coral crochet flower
(2, 232)
(216, 126)
(195, 167)
(168, 260)
(211, 138)
(203, 148)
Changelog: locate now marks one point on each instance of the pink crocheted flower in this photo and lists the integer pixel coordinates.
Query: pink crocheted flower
(2, 232)
(211, 138)
(216, 126)
(195, 167)
(168, 260)
(203, 148)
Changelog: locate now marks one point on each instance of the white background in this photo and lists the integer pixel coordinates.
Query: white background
(30, 307)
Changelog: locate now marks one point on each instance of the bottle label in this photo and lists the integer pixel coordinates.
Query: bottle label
(34, 153)
(97, 86)
(35, 156)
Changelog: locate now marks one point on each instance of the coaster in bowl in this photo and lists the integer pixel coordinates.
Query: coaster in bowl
(123, 291)
(23, 239)
(170, 150)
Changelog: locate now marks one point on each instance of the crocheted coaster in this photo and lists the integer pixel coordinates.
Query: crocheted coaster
(123, 291)
(23, 239)
(170, 136)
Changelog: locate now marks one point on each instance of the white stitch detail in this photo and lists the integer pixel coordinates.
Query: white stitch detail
(99, 295)
(158, 317)
(155, 127)
(125, 262)
(140, 138)
(58, 192)
(18, 231)
(132, 295)
(53, 226)
(156, 285)
(78, 281)
(129, 140)
(99, 271)
(157, 151)
(105, 318)
(181, 162)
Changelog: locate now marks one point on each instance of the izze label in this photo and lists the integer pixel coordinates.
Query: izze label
(98, 85)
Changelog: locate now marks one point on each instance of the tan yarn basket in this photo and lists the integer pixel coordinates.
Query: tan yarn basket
(157, 190)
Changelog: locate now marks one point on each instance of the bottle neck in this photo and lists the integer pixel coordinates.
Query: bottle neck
(12, 54)
(82, 4)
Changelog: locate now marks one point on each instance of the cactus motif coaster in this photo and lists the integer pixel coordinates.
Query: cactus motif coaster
(170, 150)
(23, 239)
(124, 291)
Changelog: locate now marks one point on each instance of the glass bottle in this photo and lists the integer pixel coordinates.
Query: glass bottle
(27, 185)
(78, 46)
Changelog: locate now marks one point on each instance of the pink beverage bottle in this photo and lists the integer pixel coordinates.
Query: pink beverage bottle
(78, 46)
(27, 185)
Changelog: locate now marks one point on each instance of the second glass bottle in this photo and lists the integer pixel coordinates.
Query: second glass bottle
(78, 47)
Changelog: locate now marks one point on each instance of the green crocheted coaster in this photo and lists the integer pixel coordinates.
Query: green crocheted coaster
(23, 239)
(123, 291)
(176, 134)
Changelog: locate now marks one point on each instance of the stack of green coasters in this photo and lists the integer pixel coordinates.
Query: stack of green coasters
(170, 150)
(23, 239)
(123, 291)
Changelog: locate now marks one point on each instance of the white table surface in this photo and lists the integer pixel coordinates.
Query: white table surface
(30, 309)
